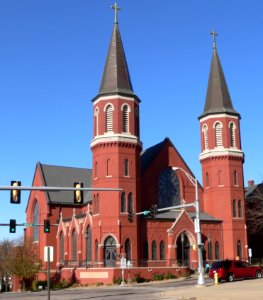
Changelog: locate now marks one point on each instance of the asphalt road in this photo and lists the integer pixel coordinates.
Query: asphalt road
(149, 291)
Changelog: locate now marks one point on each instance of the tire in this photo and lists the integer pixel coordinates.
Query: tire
(259, 274)
(230, 277)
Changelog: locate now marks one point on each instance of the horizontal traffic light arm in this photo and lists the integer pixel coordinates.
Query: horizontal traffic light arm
(56, 189)
(146, 212)
(27, 224)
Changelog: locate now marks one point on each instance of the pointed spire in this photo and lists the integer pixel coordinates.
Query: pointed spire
(116, 77)
(217, 96)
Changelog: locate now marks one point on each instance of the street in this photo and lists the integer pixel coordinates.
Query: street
(153, 290)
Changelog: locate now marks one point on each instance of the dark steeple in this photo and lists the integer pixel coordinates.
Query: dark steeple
(116, 77)
(217, 96)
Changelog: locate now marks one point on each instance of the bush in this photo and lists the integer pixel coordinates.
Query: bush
(138, 279)
(39, 285)
(158, 276)
(170, 275)
(117, 280)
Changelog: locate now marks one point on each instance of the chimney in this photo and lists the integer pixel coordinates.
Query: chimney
(251, 182)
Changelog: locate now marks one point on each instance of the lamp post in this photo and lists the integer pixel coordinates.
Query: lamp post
(201, 278)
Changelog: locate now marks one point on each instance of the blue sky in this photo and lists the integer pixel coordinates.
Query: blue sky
(52, 54)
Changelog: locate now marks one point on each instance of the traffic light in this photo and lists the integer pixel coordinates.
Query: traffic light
(46, 226)
(12, 226)
(15, 195)
(153, 211)
(78, 195)
(130, 216)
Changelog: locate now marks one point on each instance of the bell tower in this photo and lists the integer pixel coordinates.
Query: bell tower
(222, 161)
(116, 149)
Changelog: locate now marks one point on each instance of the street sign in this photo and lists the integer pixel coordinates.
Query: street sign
(51, 253)
(123, 263)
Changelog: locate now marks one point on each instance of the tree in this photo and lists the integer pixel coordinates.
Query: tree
(25, 261)
(6, 248)
(254, 210)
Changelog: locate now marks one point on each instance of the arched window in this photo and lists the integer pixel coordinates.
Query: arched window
(234, 208)
(109, 118)
(126, 167)
(218, 131)
(217, 251)
(239, 249)
(235, 178)
(145, 250)
(205, 132)
(154, 250)
(130, 202)
(125, 119)
(210, 250)
(96, 250)
(36, 221)
(74, 245)
(96, 115)
(61, 247)
(123, 202)
(88, 244)
(162, 250)
(239, 208)
(137, 122)
(232, 134)
(220, 178)
(108, 168)
(128, 249)
(206, 179)
(96, 170)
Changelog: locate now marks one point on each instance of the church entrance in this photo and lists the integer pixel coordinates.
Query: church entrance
(110, 252)
(183, 250)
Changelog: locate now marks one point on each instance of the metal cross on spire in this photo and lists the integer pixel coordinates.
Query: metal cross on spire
(214, 35)
(116, 8)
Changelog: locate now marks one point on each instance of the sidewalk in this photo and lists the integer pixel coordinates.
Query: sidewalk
(237, 290)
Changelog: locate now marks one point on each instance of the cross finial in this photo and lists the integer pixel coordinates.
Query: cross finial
(214, 35)
(116, 8)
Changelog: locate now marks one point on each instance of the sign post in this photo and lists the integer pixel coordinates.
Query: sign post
(123, 266)
(48, 257)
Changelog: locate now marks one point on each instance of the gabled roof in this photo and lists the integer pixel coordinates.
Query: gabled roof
(254, 190)
(116, 78)
(217, 97)
(174, 214)
(149, 154)
(59, 176)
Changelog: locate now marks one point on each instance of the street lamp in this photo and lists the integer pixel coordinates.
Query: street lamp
(201, 278)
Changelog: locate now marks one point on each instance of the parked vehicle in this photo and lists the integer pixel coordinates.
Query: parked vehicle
(231, 269)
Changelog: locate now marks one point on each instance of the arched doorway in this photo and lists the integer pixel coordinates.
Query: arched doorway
(110, 252)
(183, 250)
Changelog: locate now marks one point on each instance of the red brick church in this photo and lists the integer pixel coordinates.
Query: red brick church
(90, 239)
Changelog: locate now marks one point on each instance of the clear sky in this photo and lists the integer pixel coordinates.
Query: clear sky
(52, 54)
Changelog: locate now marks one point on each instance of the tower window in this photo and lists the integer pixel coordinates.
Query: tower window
(205, 132)
(137, 123)
(235, 178)
(126, 167)
(210, 250)
(130, 202)
(96, 115)
(123, 202)
(206, 179)
(109, 118)
(108, 168)
(125, 119)
(74, 245)
(162, 250)
(239, 209)
(232, 134)
(154, 250)
(36, 221)
(218, 131)
(217, 251)
(234, 208)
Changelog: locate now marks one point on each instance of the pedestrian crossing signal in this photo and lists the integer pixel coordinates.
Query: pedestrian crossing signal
(78, 194)
(15, 195)
(12, 226)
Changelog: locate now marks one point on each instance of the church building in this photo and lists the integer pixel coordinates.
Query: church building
(91, 238)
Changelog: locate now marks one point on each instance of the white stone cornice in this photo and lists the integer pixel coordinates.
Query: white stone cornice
(115, 138)
(112, 97)
(216, 152)
(218, 116)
